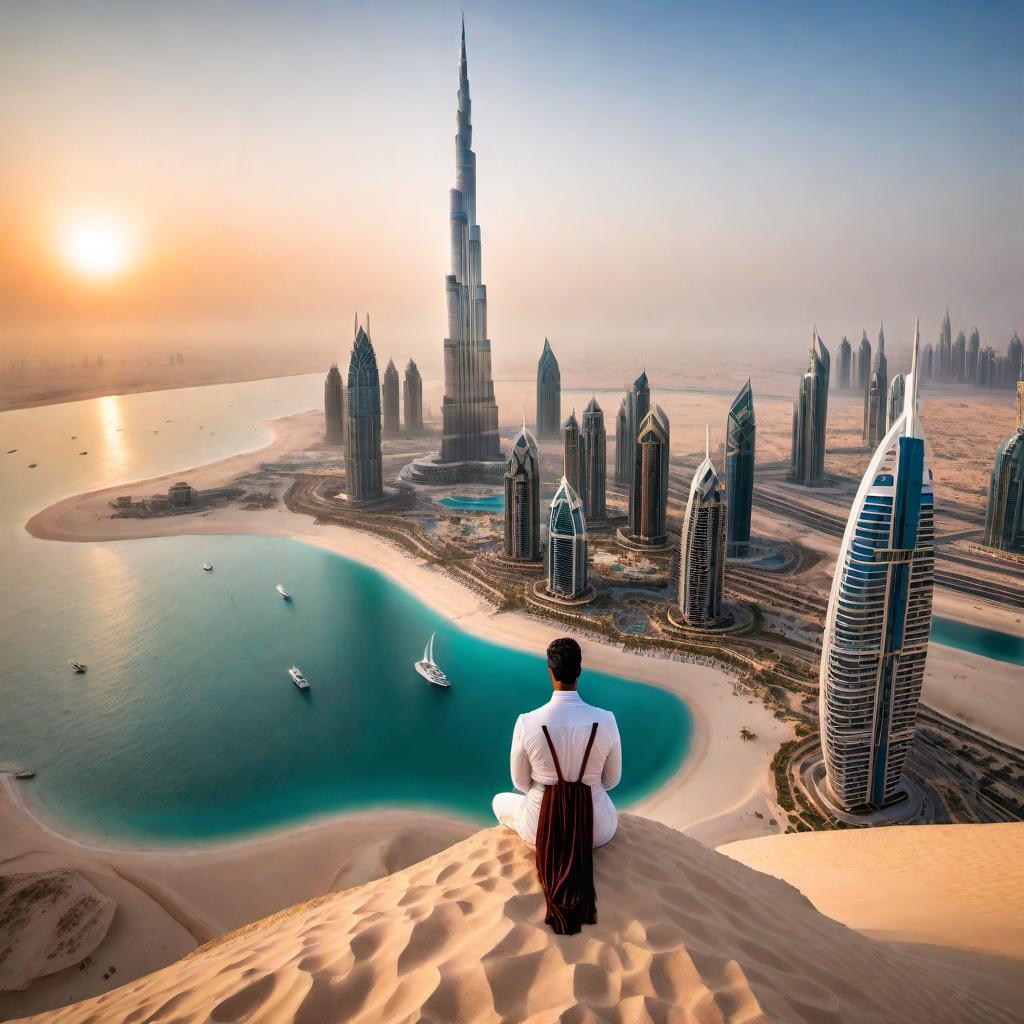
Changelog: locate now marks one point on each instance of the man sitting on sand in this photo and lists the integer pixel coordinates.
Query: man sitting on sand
(569, 722)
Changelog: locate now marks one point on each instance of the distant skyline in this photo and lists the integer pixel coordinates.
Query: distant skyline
(656, 182)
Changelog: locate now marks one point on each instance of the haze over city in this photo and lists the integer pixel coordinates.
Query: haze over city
(688, 178)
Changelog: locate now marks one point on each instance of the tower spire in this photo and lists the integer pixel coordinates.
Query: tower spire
(910, 400)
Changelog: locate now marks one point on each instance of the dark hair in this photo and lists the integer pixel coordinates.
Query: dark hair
(564, 659)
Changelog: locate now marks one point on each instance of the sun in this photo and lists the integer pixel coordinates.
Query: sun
(97, 246)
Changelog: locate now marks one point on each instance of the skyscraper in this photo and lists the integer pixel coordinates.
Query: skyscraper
(927, 363)
(364, 479)
(1015, 359)
(986, 367)
(549, 393)
(844, 360)
(702, 546)
(522, 499)
(741, 436)
(807, 463)
(571, 451)
(334, 424)
(973, 348)
(1020, 402)
(876, 397)
(959, 371)
(412, 398)
(392, 416)
(879, 617)
(593, 462)
(648, 496)
(638, 404)
(469, 411)
(894, 403)
(863, 364)
(1004, 517)
(945, 355)
(567, 544)
(623, 449)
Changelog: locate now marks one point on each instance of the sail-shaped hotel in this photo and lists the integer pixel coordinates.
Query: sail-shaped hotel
(470, 448)
(879, 617)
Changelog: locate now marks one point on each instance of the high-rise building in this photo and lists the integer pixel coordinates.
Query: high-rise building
(549, 393)
(878, 620)
(638, 404)
(702, 546)
(469, 412)
(945, 355)
(571, 451)
(986, 367)
(1004, 517)
(876, 397)
(593, 462)
(973, 348)
(863, 364)
(522, 499)
(392, 415)
(412, 398)
(1015, 359)
(334, 423)
(623, 449)
(364, 472)
(741, 437)
(894, 404)
(567, 544)
(927, 363)
(959, 370)
(648, 497)
(810, 413)
(1020, 402)
(844, 360)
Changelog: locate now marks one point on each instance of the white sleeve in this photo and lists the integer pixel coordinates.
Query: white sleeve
(522, 777)
(611, 774)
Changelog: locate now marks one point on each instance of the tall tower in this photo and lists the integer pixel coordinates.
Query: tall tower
(1004, 517)
(571, 451)
(844, 360)
(593, 462)
(469, 411)
(567, 543)
(741, 437)
(863, 364)
(807, 464)
(946, 348)
(1015, 358)
(959, 371)
(879, 617)
(648, 496)
(927, 366)
(334, 424)
(702, 546)
(895, 402)
(522, 499)
(623, 449)
(638, 405)
(1020, 402)
(412, 398)
(876, 397)
(392, 418)
(364, 475)
(549, 393)
(973, 348)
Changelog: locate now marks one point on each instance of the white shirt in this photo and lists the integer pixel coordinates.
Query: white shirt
(569, 720)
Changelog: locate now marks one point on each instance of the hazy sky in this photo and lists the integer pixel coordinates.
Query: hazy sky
(654, 180)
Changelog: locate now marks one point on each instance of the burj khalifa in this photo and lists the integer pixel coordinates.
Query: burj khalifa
(469, 443)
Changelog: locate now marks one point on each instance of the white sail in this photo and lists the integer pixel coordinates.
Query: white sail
(428, 654)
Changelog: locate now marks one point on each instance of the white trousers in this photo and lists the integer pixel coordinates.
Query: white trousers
(506, 808)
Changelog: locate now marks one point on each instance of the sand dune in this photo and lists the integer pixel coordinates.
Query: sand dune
(684, 934)
(947, 885)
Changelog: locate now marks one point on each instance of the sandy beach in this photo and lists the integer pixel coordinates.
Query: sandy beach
(182, 897)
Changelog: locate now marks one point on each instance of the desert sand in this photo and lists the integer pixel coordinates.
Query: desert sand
(942, 885)
(684, 934)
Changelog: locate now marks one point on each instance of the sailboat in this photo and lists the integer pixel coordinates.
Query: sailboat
(429, 669)
(284, 593)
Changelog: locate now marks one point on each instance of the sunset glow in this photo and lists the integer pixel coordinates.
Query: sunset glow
(96, 246)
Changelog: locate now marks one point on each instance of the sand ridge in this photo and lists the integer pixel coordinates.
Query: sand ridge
(684, 934)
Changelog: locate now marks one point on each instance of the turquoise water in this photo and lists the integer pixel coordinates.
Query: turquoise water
(987, 642)
(490, 503)
(186, 726)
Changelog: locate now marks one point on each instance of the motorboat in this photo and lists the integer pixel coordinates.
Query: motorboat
(429, 669)
(298, 678)
(284, 593)
(207, 567)
(78, 667)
